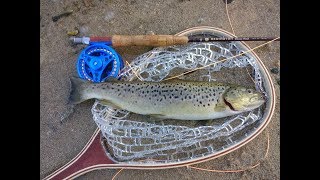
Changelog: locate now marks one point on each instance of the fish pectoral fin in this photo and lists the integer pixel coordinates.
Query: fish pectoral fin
(108, 103)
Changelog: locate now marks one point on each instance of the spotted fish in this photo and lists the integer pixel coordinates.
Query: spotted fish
(183, 100)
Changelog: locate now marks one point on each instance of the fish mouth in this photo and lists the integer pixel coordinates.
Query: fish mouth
(228, 104)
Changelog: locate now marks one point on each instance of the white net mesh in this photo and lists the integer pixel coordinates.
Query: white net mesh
(132, 138)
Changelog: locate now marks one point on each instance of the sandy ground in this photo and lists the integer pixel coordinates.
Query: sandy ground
(59, 143)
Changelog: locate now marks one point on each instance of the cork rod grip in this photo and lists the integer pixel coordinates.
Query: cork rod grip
(148, 40)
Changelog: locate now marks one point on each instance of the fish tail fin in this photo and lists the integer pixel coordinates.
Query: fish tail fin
(77, 93)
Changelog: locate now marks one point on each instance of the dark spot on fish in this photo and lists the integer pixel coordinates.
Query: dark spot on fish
(119, 94)
(151, 87)
(142, 92)
(180, 92)
(147, 91)
(204, 105)
(208, 104)
(189, 97)
(112, 88)
(207, 96)
(160, 100)
(194, 96)
(170, 97)
(200, 102)
(132, 91)
(165, 97)
(214, 94)
(149, 98)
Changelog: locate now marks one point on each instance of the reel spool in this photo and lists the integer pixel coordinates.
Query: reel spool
(98, 61)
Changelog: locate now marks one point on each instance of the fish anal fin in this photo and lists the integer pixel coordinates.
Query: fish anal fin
(157, 116)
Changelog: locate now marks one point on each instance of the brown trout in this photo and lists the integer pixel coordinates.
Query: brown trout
(184, 100)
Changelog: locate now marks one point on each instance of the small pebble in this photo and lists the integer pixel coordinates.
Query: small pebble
(228, 1)
(275, 70)
(150, 33)
(200, 20)
(133, 2)
(73, 32)
(84, 29)
(109, 16)
(57, 17)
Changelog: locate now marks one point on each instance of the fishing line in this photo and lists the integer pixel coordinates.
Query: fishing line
(222, 60)
(229, 18)
(222, 171)
(238, 170)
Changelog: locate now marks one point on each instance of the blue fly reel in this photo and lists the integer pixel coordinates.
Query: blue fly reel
(98, 61)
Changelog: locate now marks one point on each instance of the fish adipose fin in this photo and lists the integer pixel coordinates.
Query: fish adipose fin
(78, 86)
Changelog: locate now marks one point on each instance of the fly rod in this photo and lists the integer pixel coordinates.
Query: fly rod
(159, 40)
